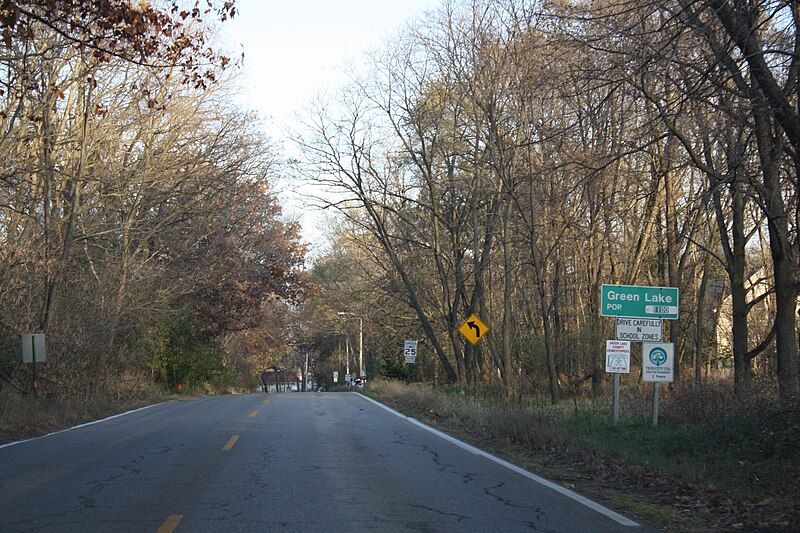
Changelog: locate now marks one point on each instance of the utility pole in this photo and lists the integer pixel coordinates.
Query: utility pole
(347, 354)
(361, 373)
(305, 375)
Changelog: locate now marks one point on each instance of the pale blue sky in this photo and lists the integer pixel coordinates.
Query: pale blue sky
(295, 50)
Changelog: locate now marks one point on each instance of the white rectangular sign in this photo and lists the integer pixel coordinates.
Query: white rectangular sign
(658, 361)
(618, 357)
(336, 377)
(639, 329)
(410, 351)
(28, 346)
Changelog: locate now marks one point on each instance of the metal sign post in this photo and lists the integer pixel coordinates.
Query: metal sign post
(657, 366)
(33, 351)
(33, 366)
(656, 390)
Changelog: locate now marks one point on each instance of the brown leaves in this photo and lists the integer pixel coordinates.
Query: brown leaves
(136, 32)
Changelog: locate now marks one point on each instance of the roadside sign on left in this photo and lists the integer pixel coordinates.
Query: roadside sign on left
(33, 343)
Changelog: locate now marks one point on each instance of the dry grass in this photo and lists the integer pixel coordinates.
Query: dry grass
(489, 418)
(23, 416)
(715, 460)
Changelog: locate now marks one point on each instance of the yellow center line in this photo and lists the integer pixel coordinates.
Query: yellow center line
(230, 443)
(265, 402)
(170, 523)
(254, 413)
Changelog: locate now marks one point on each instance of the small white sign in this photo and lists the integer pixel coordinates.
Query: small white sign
(410, 351)
(336, 377)
(639, 329)
(661, 309)
(658, 361)
(618, 357)
(348, 378)
(31, 341)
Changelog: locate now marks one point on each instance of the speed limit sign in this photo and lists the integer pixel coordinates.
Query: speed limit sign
(410, 351)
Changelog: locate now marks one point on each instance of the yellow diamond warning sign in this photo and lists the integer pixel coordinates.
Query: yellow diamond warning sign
(473, 329)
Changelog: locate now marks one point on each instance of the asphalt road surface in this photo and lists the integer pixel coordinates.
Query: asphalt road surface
(288, 462)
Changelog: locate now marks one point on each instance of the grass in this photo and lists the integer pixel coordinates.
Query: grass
(23, 416)
(60, 406)
(716, 460)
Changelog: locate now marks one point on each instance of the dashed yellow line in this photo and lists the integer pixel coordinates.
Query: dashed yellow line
(230, 443)
(254, 413)
(170, 523)
(265, 402)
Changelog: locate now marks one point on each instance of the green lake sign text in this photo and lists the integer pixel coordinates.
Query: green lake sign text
(634, 301)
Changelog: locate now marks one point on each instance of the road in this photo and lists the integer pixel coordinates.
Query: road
(290, 462)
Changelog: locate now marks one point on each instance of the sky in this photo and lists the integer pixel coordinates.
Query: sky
(295, 50)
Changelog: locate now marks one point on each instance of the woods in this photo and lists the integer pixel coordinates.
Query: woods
(138, 226)
(506, 158)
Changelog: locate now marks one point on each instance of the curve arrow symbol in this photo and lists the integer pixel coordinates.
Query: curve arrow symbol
(474, 326)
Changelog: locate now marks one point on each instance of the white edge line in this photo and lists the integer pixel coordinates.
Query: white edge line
(533, 477)
(81, 425)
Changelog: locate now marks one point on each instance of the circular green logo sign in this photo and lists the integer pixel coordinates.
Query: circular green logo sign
(658, 356)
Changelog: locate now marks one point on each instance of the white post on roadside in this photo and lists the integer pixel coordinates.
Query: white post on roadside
(305, 375)
(656, 389)
(347, 355)
(361, 373)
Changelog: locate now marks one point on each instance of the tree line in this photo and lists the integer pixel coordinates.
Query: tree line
(138, 229)
(508, 157)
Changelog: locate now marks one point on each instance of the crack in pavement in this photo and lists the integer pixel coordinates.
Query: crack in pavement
(540, 514)
(459, 517)
(87, 500)
(436, 458)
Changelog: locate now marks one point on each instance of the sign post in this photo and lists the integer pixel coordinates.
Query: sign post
(640, 312)
(33, 367)
(657, 366)
(33, 350)
(618, 361)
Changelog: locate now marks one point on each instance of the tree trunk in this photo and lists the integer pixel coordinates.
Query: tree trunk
(698, 322)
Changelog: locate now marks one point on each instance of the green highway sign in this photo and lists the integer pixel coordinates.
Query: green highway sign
(634, 301)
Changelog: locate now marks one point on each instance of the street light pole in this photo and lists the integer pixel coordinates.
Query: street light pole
(361, 372)
(347, 354)
(305, 375)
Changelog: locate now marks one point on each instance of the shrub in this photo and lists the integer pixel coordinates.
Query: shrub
(176, 355)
